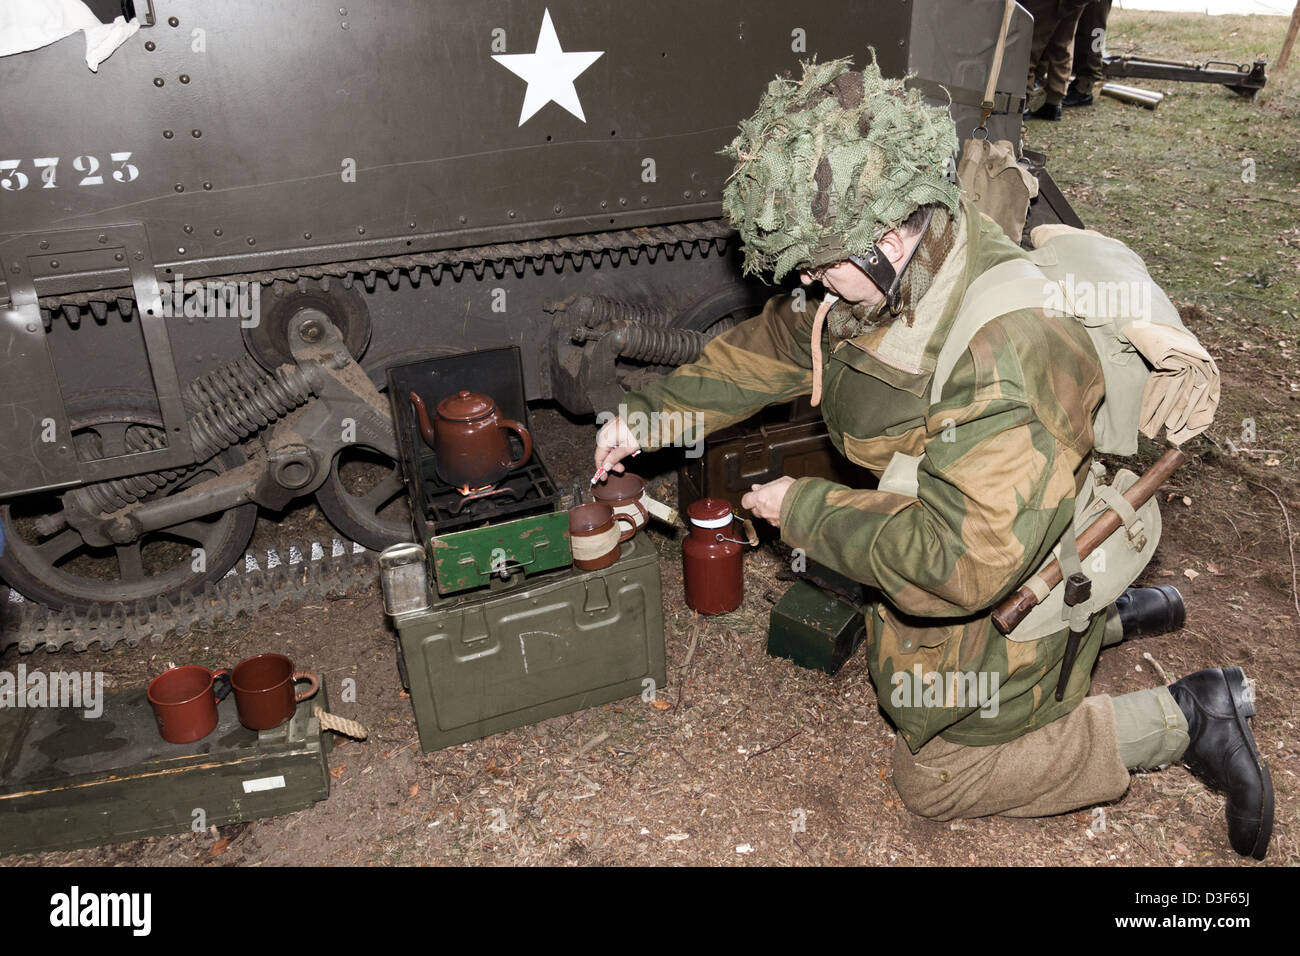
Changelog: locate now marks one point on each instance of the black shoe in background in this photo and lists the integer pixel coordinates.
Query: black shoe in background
(1074, 98)
(1221, 752)
(1148, 611)
(1048, 111)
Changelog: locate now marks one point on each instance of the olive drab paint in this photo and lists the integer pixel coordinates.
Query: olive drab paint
(449, 143)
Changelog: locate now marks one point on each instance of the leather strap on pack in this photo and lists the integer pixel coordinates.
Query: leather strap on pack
(990, 88)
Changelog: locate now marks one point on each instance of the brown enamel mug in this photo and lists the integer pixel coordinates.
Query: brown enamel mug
(594, 536)
(185, 701)
(623, 493)
(264, 693)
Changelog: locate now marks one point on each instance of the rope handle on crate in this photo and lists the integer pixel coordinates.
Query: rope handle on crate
(340, 725)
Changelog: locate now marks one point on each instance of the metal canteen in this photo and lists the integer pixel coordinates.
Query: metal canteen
(469, 439)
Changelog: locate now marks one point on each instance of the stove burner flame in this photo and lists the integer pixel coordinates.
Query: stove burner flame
(466, 490)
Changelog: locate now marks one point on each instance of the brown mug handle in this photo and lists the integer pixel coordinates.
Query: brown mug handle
(524, 437)
(308, 676)
(220, 692)
(633, 528)
(645, 515)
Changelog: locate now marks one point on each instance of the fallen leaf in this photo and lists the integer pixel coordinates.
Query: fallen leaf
(677, 837)
(1191, 575)
(1182, 850)
(1166, 573)
(219, 847)
(415, 788)
(1187, 501)
(660, 704)
(337, 772)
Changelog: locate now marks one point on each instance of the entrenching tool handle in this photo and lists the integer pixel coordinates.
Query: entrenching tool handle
(1013, 610)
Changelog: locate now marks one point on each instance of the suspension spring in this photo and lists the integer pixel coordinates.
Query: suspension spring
(235, 401)
(656, 346)
(599, 311)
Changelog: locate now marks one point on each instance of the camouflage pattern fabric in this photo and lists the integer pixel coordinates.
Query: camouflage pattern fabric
(829, 163)
(1006, 451)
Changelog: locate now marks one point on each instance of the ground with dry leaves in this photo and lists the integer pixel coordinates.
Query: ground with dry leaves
(749, 759)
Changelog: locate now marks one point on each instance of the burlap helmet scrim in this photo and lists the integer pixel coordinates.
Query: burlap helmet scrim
(829, 164)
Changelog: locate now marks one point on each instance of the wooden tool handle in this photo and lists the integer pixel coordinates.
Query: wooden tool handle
(1013, 610)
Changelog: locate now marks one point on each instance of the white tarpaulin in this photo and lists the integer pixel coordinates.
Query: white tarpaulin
(31, 24)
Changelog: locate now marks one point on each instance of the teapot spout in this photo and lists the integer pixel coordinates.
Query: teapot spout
(422, 417)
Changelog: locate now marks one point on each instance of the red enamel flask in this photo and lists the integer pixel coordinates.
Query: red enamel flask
(712, 558)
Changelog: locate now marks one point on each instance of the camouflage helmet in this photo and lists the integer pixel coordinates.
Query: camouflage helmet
(832, 162)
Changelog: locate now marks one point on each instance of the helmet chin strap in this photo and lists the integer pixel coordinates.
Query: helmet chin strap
(881, 271)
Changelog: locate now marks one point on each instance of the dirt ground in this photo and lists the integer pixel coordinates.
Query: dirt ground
(753, 760)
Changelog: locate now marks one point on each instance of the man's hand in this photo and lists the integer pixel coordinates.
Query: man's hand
(614, 442)
(764, 501)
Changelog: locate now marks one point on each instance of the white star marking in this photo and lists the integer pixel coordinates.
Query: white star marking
(549, 73)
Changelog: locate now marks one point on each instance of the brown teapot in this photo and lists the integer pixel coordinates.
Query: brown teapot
(469, 439)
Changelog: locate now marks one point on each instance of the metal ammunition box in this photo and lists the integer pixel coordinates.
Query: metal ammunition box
(818, 624)
(490, 661)
(68, 780)
(787, 439)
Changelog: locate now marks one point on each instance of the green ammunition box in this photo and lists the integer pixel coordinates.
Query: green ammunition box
(489, 661)
(815, 628)
(68, 780)
(786, 439)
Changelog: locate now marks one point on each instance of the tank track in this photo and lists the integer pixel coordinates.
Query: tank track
(292, 573)
(537, 255)
(348, 567)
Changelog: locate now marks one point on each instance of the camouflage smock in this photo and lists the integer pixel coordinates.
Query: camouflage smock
(1006, 450)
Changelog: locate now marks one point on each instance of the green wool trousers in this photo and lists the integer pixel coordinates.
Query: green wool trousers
(1080, 760)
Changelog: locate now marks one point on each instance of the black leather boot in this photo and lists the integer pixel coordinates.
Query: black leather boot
(1222, 754)
(1048, 111)
(1150, 611)
(1074, 98)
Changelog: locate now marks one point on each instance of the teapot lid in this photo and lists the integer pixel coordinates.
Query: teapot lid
(465, 406)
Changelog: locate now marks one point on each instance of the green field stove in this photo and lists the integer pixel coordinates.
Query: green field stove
(495, 627)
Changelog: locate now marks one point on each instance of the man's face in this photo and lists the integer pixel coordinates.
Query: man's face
(850, 283)
(847, 281)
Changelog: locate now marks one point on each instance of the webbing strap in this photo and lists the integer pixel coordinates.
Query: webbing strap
(1008, 287)
(1113, 499)
(986, 107)
(1081, 613)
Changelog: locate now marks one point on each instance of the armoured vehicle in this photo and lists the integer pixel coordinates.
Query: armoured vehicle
(214, 247)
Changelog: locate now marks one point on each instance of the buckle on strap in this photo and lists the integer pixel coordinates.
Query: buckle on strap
(1134, 529)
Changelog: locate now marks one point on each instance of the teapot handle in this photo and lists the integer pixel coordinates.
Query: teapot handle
(524, 437)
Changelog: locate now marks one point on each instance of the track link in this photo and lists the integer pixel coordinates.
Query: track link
(292, 574)
(519, 257)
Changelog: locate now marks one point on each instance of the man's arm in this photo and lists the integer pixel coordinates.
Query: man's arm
(765, 360)
(994, 491)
